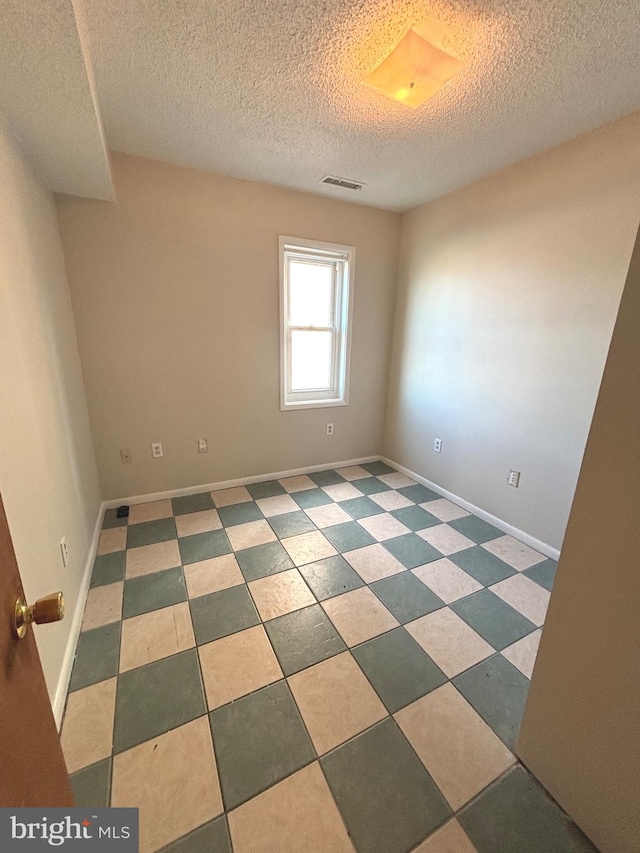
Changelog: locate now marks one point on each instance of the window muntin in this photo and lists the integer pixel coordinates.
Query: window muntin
(316, 296)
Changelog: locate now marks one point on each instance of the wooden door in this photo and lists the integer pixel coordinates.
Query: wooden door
(32, 768)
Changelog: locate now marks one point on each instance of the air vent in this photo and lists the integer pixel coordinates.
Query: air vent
(341, 182)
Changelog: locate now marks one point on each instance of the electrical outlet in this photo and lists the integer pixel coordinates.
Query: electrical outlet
(437, 445)
(513, 479)
(329, 429)
(156, 450)
(125, 455)
(203, 445)
(64, 551)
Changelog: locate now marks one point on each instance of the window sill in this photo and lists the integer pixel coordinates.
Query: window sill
(311, 404)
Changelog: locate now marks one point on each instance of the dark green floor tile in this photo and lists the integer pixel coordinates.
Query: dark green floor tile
(371, 486)
(475, 528)
(221, 613)
(411, 550)
(398, 668)
(491, 617)
(150, 532)
(498, 692)
(415, 518)
(192, 503)
(516, 815)
(291, 524)
(268, 489)
(92, 785)
(259, 740)
(361, 507)
(263, 560)
(482, 565)
(378, 468)
(151, 592)
(330, 577)
(213, 837)
(543, 574)
(348, 536)
(157, 697)
(240, 513)
(97, 656)
(326, 478)
(303, 638)
(386, 797)
(419, 494)
(203, 546)
(108, 568)
(312, 497)
(111, 520)
(406, 597)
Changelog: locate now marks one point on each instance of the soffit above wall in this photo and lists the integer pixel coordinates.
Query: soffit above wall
(272, 91)
(46, 95)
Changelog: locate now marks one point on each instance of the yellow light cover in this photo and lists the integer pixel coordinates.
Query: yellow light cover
(414, 71)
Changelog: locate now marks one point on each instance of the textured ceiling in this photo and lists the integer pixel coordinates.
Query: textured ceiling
(46, 93)
(271, 90)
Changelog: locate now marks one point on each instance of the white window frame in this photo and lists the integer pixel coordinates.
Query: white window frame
(343, 258)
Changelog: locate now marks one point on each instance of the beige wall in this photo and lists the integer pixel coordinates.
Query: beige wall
(508, 290)
(48, 476)
(581, 729)
(175, 291)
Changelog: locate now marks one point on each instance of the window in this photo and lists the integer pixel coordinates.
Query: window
(316, 293)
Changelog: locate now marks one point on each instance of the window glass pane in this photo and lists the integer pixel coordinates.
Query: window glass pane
(311, 360)
(310, 293)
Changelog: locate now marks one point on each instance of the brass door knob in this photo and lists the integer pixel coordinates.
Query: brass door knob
(47, 609)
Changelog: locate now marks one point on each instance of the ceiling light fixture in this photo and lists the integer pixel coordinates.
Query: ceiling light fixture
(414, 70)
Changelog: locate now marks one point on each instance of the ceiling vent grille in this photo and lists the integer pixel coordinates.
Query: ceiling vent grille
(341, 182)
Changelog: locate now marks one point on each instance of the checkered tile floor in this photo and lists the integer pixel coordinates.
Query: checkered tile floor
(332, 662)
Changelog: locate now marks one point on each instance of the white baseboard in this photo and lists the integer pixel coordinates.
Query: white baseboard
(60, 696)
(230, 484)
(543, 547)
(534, 543)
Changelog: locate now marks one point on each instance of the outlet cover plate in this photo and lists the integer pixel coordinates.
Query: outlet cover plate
(64, 550)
